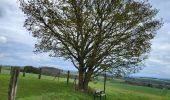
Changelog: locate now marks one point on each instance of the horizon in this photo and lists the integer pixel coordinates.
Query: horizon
(17, 44)
(131, 75)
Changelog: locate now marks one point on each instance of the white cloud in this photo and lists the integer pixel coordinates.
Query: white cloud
(11, 27)
(12, 30)
(159, 61)
(29, 56)
(3, 39)
(11, 23)
(1, 55)
(163, 47)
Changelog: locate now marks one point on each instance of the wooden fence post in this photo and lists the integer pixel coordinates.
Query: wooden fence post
(0, 68)
(11, 70)
(104, 81)
(75, 84)
(24, 72)
(68, 75)
(58, 75)
(13, 83)
(39, 76)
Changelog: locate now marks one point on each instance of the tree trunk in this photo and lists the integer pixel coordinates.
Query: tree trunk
(84, 79)
(81, 79)
(86, 82)
(87, 79)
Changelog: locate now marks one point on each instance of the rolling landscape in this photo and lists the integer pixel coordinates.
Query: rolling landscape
(84, 50)
(46, 88)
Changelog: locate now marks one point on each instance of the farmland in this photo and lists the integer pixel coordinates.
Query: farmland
(32, 88)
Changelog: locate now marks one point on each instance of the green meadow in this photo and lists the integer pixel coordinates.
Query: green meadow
(32, 88)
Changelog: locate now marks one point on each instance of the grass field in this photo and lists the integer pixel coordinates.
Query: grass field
(31, 88)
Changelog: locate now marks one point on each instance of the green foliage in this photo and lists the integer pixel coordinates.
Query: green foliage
(91, 33)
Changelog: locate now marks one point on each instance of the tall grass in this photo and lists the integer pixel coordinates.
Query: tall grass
(32, 88)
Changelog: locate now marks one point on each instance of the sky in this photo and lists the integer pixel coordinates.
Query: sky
(17, 44)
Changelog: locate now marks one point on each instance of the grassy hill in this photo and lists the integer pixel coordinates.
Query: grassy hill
(31, 88)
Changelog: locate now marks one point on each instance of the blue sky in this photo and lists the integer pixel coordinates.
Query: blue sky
(17, 45)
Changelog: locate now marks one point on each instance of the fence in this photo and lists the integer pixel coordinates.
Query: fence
(14, 72)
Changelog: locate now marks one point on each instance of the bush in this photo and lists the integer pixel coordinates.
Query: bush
(31, 69)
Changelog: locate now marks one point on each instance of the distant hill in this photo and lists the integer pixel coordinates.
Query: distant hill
(51, 71)
(148, 81)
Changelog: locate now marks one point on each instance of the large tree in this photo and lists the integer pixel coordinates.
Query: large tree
(93, 34)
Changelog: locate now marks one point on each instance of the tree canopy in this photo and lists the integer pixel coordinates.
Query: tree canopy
(93, 34)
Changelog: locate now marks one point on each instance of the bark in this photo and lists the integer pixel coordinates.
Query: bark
(86, 82)
(81, 80)
(87, 79)
(84, 78)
